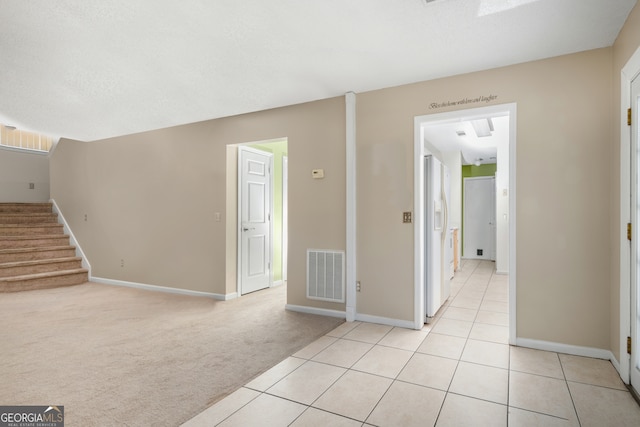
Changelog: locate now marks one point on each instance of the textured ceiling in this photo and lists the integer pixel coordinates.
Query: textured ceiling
(88, 70)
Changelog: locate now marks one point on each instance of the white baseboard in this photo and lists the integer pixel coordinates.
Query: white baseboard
(502, 272)
(575, 350)
(166, 289)
(314, 310)
(72, 238)
(351, 314)
(277, 283)
(408, 324)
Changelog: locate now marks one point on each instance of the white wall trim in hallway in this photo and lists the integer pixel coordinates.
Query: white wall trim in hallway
(575, 350)
(314, 310)
(72, 238)
(409, 324)
(166, 289)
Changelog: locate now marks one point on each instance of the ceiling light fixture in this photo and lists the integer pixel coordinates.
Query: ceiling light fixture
(483, 127)
(9, 127)
(478, 161)
(461, 133)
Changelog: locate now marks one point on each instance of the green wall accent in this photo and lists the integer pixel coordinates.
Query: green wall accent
(473, 171)
(279, 150)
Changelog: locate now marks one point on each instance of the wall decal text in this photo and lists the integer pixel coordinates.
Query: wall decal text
(482, 98)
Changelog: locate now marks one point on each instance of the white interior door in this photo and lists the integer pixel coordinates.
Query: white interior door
(635, 252)
(479, 235)
(254, 222)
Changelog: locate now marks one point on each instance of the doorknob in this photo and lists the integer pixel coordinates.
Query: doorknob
(247, 229)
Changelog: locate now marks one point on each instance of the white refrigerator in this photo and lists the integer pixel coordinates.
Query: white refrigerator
(437, 236)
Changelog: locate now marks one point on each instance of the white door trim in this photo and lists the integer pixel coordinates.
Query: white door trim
(239, 218)
(418, 185)
(285, 217)
(629, 72)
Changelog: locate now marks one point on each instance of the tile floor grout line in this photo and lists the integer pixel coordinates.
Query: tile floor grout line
(242, 406)
(566, 383)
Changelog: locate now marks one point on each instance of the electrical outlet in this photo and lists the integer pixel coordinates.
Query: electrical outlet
(32, 186)
(217, 216)
(121, 263)
(358, 286)
(406, 217)
(85, 217)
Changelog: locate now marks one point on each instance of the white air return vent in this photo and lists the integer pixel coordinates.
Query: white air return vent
(325, 275)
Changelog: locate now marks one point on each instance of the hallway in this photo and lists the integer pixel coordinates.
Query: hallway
(457, 371)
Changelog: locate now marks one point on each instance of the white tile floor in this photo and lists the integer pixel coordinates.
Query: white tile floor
(457, 371)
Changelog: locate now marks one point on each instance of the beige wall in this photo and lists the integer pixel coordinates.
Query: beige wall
(626, 44)
(137, 189)
(563, 186)
(151, 198)
(17, 170)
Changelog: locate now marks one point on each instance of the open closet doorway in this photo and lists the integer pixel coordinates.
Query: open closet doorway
(256, 217)
(442, 135)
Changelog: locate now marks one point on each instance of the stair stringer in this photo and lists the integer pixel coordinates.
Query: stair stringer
(72, 239)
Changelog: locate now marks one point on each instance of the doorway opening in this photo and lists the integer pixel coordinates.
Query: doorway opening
(428, 135)
(255, 255)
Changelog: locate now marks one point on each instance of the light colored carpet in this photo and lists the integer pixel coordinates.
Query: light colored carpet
(128, 357)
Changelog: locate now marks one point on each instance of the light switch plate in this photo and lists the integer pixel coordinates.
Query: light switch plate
(317, 173)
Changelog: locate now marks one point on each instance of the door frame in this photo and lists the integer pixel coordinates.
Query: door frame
(418, 154)
(243, 147)
(629, 72)
(285, 217)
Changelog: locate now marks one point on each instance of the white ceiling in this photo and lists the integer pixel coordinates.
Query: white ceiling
(445, 137)
(89, 69)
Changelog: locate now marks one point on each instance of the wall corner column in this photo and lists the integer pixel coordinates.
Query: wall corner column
(351, 271)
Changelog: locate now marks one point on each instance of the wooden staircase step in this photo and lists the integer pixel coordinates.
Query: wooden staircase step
(30, 282)
(30, 229)
(21, 268)
(26, 207)
(29, 254)
(28, 218)
(9, 242)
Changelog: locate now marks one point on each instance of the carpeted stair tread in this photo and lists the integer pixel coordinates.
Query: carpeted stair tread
(32, 236)
(8, 242)
(28, 218)
(38, 249)
(36, 253)
(37, 261)
(27, 229)
(20, 268)
(25, 207)
(44, 275)
(30, 282)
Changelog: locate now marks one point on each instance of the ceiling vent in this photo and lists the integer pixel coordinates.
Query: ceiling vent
(483, 127)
